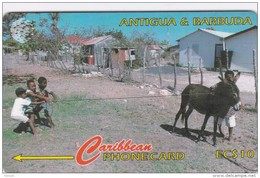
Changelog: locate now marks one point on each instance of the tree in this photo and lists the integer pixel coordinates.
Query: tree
(120, 39)
(8, 19)
(141, 40)
(55, 17)
(10, 42)
(164, 42)
(22, 30)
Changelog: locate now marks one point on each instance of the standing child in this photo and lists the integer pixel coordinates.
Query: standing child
(230, 117)
(42, 84)
(18, 110)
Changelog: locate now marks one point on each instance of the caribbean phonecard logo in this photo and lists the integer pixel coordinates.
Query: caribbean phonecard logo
(124, 150)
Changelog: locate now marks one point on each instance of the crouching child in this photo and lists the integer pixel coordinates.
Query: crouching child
(18, 110)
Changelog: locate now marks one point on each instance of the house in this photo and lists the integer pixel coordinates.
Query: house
(74, 43)
(119, 55)
(203, 43)
(174, 51)
(94, 47)
(100, 50)
(242, 44)
(156, 52)
(153, 54)
(210, 45)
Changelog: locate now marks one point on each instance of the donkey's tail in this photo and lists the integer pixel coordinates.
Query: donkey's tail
(185, 99)
(183, 111)
(182, 119)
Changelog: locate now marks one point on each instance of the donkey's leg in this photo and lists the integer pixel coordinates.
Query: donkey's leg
(220, 131)
(204, 126)
(215, 131)
(181, 111)
(219, 127)
(219, 124)
(187, 114)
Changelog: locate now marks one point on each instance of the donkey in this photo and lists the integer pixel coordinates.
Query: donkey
(211, 102)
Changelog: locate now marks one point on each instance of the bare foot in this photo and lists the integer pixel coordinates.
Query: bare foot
(36, 132)
(52, 126)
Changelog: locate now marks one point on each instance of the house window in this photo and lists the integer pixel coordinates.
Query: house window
(195, 49)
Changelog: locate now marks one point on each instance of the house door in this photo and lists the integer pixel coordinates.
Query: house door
(218, 49)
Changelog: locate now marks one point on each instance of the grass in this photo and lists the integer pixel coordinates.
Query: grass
(9, 95)
(7, 134)
(165, 166)
(73, 110)
(84, 107)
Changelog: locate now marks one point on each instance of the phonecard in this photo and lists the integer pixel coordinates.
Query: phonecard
(98, 88)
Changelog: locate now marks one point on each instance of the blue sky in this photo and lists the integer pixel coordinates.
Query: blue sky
(111, 20)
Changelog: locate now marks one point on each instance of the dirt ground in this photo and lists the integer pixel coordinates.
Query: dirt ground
(136, 114)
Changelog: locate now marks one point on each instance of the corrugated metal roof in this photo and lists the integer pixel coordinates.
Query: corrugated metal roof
(243, 31)
(73, 39)
(96, 40)
(217, 33)
(155, 47)
(213, 32)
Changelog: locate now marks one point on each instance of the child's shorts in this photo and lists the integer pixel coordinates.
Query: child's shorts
(46, 107)
(28, 109)
(42, 107)
(230, 121)
(21, 118)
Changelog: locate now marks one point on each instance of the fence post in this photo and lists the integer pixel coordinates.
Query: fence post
(96, 58)
(255, 76)
(119, 65)
(220, 68)
(188, 58)
(227, 65)
(174, 71)
(110, 58)
(201, 74)
(144, 59)
(103, 59)
(158, 61)
(129, 64)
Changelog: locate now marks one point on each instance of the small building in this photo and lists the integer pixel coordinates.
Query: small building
(118, 56)
(242, 44)
(74, 43)
(94, 47)
(203, 43)
(153, 54)
(174, 51)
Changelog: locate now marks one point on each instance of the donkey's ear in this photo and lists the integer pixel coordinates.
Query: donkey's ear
(221, 78)
(236, 77)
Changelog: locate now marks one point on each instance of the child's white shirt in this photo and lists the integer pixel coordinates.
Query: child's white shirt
(30, 98)
(18, 107)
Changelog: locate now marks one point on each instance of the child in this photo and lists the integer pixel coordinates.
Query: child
(41, 90)
(32, 93)
(18, 108)
(230, 117)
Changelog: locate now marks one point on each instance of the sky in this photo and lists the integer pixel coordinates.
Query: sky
(172, 32)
